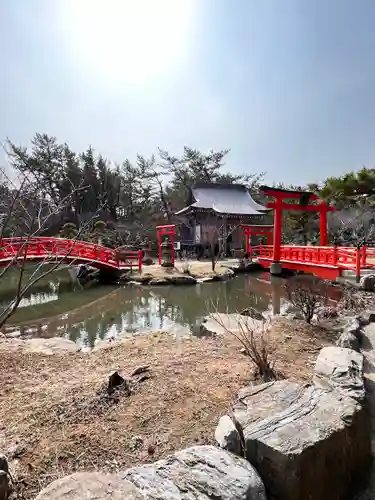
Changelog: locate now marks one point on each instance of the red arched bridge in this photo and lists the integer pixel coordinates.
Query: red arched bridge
(69, 251)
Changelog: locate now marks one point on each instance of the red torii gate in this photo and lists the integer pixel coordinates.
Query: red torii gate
(260, 230)
(279, 204)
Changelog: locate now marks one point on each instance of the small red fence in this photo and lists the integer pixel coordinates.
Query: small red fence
(73, 251)
(330, 258)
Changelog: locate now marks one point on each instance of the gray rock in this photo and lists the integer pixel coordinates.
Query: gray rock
(50, 346)
(182, 280)
(221, 323)
(326, 312)
(4, 464)
(290, 311)
(158, 282)
(367, 283)
(5, 488)
(198, 473)
(348, 341)
(294, 435)
(147, 261)
(227, 436)
(342, 370)
(367, 317)
(253, 313)
(91, 486)
(353, 326)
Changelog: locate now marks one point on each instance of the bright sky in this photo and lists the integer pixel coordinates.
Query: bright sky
(288, 85)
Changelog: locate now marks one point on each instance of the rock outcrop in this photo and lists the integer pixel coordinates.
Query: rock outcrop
(219, 323)
(197, 473)
(309, 441)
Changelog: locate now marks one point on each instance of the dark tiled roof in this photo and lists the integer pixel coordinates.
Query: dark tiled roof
(224, 199)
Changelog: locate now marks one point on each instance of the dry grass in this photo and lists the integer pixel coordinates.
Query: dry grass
(53, 406)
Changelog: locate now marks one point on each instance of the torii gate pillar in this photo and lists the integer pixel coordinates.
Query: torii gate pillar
(280, 203)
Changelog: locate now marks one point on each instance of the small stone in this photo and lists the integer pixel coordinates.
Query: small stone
(16, 450)
(150, 449)
(136, 442)
(227, 436)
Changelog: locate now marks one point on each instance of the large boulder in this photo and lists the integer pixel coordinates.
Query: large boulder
(91, 486)
(348, 341)
(198, 473)
(220, 323)
(367, 283)
(342, 370)
(293, 434)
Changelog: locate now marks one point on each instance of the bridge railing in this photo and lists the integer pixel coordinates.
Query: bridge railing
(343, 257)
(58, 248)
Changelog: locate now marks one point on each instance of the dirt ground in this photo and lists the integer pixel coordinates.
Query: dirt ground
(54, 419)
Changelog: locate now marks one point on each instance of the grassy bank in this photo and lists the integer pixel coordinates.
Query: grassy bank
(57, 421)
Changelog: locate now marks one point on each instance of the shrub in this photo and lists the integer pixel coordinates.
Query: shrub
(254, 338)
(307, 293)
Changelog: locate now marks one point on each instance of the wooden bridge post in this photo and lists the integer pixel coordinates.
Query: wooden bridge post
(278, 221)
(323, 224)
(358, 265)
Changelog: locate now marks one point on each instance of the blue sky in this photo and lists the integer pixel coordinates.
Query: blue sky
(288, 85)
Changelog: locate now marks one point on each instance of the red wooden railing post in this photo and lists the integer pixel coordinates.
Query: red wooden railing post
(334, 255)
(358, 265)
(140, 261)
(364, 256)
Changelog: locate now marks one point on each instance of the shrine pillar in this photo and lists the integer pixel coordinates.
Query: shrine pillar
(276, 267)
(323, 224)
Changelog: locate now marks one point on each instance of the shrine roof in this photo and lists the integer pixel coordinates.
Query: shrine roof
(233, 199)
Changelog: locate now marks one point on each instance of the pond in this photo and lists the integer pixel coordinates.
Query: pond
(101, 312)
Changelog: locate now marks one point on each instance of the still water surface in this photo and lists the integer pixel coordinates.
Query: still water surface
(86, 316)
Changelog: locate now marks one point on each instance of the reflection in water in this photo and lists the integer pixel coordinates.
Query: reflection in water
(86, 316)
(38, 298)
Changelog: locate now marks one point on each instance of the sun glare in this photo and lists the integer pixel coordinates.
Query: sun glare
(130, 40)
